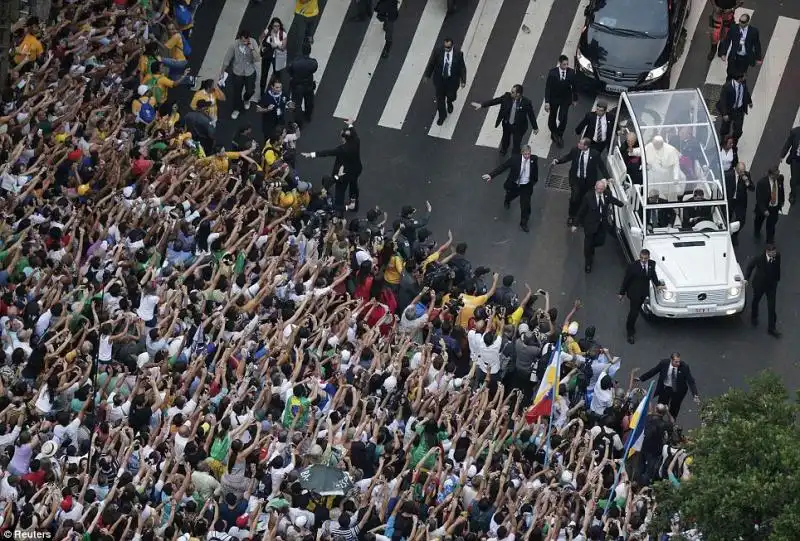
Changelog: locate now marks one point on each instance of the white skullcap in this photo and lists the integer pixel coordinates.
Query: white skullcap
(658, 139)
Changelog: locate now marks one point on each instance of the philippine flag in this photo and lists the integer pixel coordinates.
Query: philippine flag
(548, 388)
(638, 419)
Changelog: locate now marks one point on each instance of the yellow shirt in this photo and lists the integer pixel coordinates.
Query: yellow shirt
(164, 83)
(571, 344)
(221, 163)
(30, 49)
(430, 259)
(516, 316)
(307, 8)
(214, 96)
(471, 302)
(175, 46)
(393, 270)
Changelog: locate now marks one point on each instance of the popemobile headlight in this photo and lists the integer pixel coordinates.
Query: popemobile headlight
(658, 73)
(668, 295)
(734, 291)
(584, 63)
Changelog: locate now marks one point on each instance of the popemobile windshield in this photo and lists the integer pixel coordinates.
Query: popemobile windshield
(665, 164)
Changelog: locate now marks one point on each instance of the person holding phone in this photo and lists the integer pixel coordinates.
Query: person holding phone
(242, 58)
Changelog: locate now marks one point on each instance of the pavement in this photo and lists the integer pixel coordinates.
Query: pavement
(406, 161)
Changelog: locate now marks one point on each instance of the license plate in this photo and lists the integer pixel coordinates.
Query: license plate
(703, 310)
(615, 88)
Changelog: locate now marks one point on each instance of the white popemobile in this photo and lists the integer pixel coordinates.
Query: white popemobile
(665, 164)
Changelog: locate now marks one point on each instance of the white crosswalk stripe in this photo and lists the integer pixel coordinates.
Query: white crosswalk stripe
(399, 94)
(786, 171)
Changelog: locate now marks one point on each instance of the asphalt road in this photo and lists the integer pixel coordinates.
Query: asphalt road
(407, 166)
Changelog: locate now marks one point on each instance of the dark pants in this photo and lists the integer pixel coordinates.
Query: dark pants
(524, 193)
(303, 98)
(511, 134)
(795, 180)
(451, 5)
(672, 400)
(520, 379)
(770, 292)
(445, 95)
(634, 307)
(558, 112)
(734, 125)
(388, 29)
(738, 214)
(305, 33)
(592, 241)
(345, 184)
(575, 197)
(364, 9)
(771, 218)
(267, 62)
(248, 83)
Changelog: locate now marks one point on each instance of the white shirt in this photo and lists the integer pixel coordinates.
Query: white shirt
(362, 255)
(738, 90)
(672, 376)
(147, 307)
(43, 323)
(104, 349)
(486, 357)
(773, 187)
(447, 67)
(583, 163)
(726, 157)
(602, 124)
(525, 172)
(742, 39)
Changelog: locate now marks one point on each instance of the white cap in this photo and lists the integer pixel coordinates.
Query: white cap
(573, 328)
(142, 359)
(523, 328)
(333, 341)
(300, 521)
(390, 383)
(566, 477)
(142, 90)
(472, 471)
(345, 356)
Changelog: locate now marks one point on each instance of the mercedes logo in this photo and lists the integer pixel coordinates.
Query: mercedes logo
(702, 297)
(619, 74)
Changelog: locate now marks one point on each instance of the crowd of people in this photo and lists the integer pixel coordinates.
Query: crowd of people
(187, 333)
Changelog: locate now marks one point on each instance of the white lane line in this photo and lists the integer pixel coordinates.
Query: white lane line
(718, 72)
(518, 64)
(405, 86)
(223, 37)
(766, 88)
(327, 33)
(786, 171)
(692, 20)
(478, 33)
(357, 84)
(541, 142)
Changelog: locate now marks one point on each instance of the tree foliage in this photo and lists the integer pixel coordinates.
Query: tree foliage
(746, 467)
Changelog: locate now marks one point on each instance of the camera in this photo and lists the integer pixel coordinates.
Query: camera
(454, 305)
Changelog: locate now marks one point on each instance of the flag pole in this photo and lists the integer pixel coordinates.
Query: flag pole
(556, 383)
(625, 456)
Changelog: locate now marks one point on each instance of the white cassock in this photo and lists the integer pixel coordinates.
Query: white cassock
(663, 170)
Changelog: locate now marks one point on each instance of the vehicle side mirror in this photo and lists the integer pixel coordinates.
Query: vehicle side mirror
(735, 227)
(637, 232)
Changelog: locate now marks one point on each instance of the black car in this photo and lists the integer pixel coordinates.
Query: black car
(630, 44)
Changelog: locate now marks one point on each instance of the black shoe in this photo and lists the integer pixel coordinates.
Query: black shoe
(439, 121)
(631, 339)
(774, 333)
(506, 204)
(587, 269)
(449, 107)
(525, 228)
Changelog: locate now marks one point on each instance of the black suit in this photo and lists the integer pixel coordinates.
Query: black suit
(764, 210)
(736, 188)
(559, 95)
(672, 384)
(593, 216)
(588, 128)
(582, 176)
(635, 285)
(791, 149)
(446, 80)
(523, 112)
(764, 276)
(726, 106)
(512, 184)
(660, 217)
(347, 158)
(738, 63)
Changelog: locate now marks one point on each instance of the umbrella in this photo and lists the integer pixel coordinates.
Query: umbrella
(325, 481)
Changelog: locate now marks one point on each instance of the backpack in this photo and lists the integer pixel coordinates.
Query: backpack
(146, 113)
(183, 15)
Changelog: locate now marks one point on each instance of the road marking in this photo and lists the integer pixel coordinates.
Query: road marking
(541, 142)
(786, 171)
(718, 71)
(518, 64)
(223, 37)
(766, 88)
(407, 82)
(327, 33)
(478, 33)
(357, 84)
(692, 20)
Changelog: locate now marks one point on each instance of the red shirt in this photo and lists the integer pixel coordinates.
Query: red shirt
(35, 478)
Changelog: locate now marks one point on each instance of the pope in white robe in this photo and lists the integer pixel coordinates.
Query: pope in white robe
(663, 168)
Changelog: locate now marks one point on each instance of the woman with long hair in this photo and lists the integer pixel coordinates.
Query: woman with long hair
(273, 51)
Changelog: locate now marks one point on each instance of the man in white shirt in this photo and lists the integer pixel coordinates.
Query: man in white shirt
(523, 173)
(485, 352)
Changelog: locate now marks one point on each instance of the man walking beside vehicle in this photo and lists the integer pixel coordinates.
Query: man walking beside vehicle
(636, 286)
(585, 169)
(674, 380)
(769, 202)
(763, 273)
(446, 67)
(515, 112)
(559, 93)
